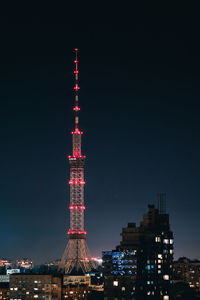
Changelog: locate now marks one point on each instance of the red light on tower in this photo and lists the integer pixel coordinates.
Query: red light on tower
(76, 108)
(76, 88)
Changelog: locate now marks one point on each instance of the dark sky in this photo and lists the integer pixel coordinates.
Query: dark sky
(140, 113)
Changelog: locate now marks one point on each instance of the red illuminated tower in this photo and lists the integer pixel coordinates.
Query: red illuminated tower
(76, 255)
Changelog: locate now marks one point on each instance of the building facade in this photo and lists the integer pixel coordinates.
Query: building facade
(188, 271)
(28, 286)
(148, 272)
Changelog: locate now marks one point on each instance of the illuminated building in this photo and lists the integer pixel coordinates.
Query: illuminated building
(187, 271)
(6, 263)
(148, 271)
(119, 270)
(24, 263)
(35, 287)
(76, 286)
(76, 255)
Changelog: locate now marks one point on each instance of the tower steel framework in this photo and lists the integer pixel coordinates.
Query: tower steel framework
(76, 255)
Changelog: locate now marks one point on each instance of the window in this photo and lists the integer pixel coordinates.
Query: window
(171, 241)
(165, 297)
(166, 277)
(157, 239)
(160, 256)
(115, 283)
(123, 288)
(165, 241)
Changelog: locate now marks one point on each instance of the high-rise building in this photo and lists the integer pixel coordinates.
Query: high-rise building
(141, 266)
(29, 286)
(76, 255)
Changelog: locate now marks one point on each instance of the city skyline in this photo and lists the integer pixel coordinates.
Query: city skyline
(139, 112)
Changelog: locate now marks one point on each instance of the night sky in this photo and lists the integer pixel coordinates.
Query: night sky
(140, 113)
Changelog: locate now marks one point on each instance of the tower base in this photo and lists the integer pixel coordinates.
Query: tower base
(77, 257)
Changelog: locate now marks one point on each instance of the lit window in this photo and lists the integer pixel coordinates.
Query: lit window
(166, 277)
(166, 241)
(157, 239)
(123, 288)
(165, 297)
(171, 251)
(159, 271)
(148, 282)
(171, 241)
(115, 283)
(35, 296)
(159, 261)
(160, 256)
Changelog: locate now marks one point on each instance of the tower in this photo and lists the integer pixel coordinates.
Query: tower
(76, 255)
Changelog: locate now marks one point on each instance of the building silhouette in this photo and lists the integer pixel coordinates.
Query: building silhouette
(141, 266)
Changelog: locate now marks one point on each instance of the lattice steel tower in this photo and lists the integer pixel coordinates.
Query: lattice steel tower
(76, 255)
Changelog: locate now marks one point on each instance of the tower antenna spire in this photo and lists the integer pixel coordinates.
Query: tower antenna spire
(76, 89)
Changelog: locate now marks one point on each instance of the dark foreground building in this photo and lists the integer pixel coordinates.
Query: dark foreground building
(141, 266)
(4, 290)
